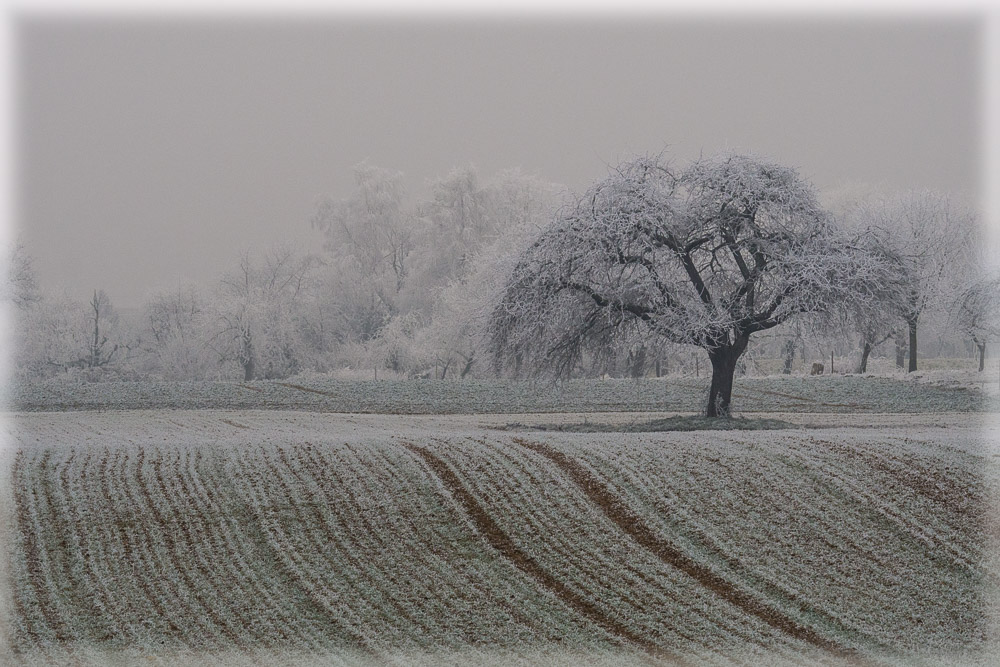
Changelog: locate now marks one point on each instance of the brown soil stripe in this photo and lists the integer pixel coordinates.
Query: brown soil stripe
(636, 528)
(803, 399)
(500, 541)
(792, 503)
(747, 392)
(755, 578)
(910, 530)
(466, 582)
(232, 423)
(98, 533)
(375, 579)
(389, 582)
(936, 485)
(246, 386)
(320, 524)
(33, 555)
(649, 583)
(65, 583)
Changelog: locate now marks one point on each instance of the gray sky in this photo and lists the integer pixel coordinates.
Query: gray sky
(152, 152)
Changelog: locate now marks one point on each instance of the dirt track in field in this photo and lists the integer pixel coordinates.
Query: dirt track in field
(500, 541)
(633, 526)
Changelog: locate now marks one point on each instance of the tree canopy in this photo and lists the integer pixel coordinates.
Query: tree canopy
(706, 255)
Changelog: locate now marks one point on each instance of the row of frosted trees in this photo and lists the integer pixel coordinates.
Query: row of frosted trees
(412, 289)
(395, 291)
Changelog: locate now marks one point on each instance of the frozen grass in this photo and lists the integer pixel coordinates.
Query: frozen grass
(658, 425)
(824, 394)
(285, 538)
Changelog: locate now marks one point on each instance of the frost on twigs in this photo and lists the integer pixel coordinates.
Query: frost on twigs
(976, 312)
(706, 256)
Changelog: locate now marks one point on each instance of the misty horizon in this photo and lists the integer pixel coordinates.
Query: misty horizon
(152, 152)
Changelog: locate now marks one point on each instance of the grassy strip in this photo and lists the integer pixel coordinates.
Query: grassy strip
(659, 425)
(848, 394)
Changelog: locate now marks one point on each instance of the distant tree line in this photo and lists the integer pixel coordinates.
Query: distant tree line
(704, 269)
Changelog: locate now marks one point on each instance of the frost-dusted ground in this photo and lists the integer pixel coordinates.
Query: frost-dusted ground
(925, 392)
(287, 537)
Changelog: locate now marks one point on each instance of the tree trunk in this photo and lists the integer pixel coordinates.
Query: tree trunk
(789, 356)
(249, 364)
(724, 361)
(982, 356)
(468, 365)
(866, 350)
(95, 349)
(900, 351)
(637, 363)
(656, 367)
(913, 346)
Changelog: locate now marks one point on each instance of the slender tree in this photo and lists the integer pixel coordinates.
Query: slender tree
(21, 286)
(256, 313)
(101, 316)
(976, 313)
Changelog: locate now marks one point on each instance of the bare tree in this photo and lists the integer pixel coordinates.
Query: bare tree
(256, 310)
(706, 256)
(370, 238)
(102, 316)
(175, 326)
(52, 336)
(173, 315)
(475, 233)
(21, 287)
(878, 317)
(458, 218)
(976, 313)
(925, 235)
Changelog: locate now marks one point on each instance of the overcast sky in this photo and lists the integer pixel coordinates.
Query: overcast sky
(152, 152)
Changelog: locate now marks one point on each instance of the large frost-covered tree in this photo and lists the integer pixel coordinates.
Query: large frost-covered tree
(706, 256)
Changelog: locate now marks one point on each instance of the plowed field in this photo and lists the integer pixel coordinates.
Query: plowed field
(286, 538)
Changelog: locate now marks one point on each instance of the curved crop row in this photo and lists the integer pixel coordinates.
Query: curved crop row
(553, 522)
(834, 537)
(723, 548)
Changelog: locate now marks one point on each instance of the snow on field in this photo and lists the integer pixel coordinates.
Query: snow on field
(292, 536)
